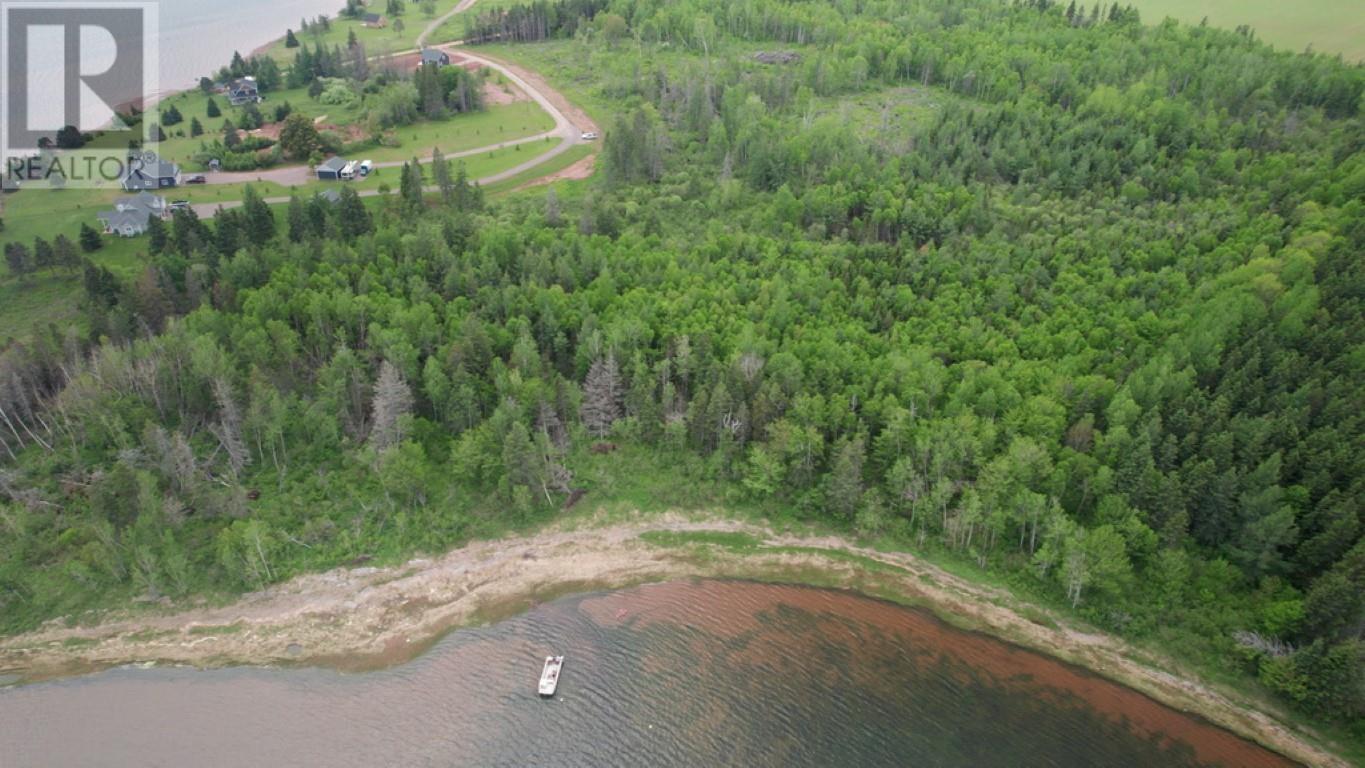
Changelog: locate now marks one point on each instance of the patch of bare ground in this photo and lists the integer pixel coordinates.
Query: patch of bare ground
(579, 170)
(361, 618)
(495, 95)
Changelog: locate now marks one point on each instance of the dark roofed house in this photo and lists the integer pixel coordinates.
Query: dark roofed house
(243, 90)
(157, 175)
(374, 20)
(331, 169)
(436, 57)
(131, 214)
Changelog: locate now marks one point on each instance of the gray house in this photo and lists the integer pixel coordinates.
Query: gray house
(331, 170)
(330, 195)
(131, 214)
(158, 175)
(436, 57)
(243, 91)
(374, 21)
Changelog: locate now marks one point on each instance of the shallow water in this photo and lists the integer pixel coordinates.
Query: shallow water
(681, 674)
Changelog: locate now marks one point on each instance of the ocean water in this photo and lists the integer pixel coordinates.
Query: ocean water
(194, 39)
(699, 673)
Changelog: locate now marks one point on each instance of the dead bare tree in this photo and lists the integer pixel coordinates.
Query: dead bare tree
(228, 430)
(602, 396)
(392, 401)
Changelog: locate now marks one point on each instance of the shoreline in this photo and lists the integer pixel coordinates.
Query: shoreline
(360, 619)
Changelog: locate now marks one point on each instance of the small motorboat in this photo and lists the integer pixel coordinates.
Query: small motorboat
(549, 676)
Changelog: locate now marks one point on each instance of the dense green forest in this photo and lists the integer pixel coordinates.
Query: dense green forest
(1091, 319)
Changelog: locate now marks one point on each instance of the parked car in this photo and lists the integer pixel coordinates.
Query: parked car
(365, 167)
(179, 205)
(590, 136)
(196, 180)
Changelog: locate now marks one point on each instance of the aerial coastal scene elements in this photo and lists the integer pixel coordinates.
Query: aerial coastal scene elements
(625, 382)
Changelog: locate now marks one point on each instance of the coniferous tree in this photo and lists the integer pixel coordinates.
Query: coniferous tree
(260, 220)
(156, 236)
(602, 392)
(410, 189)
(440, 173)
(297, 220)
(392, 403)
(352, 214)
(43, 255)
(90, 239)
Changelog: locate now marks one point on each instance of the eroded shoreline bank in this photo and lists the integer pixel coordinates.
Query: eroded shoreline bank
(365, 618)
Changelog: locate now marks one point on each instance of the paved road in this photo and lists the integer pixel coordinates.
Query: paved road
(565, 130)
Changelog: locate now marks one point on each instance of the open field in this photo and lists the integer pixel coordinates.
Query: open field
(390, 39)
(49, 296)
(1329, 26)
(550, 168)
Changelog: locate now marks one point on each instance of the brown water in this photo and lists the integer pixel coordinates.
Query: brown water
(683, 674)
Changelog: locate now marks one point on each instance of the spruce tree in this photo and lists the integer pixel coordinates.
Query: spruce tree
(90, 238)
(601, 396)
(43, 255)
(260, 221)
(156, 236)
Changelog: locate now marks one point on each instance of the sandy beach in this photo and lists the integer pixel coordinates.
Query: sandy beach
(363, 618)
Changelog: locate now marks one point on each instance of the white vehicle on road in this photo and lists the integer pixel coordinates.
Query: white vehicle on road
(590, 136)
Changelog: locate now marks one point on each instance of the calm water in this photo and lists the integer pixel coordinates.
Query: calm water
(197, 37)
(683, 674)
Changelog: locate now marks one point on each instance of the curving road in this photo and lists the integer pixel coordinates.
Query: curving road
(463, 6)
(569, 131)
(569, 128)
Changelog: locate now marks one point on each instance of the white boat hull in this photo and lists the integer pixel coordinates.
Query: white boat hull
(549, 676)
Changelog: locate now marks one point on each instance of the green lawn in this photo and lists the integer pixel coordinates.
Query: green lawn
(393, 38)
(465, 132)
(180, 146)
(454, 27)
(557, 164)
(1330, 26)
(50, 296)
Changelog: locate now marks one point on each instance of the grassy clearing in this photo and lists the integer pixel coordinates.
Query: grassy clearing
(49, 297)
(480, 129)
(1329, 26)
(554, 165)
(392, 38)
(740, 542)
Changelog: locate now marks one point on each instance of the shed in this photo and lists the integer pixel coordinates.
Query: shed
(331, 170)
